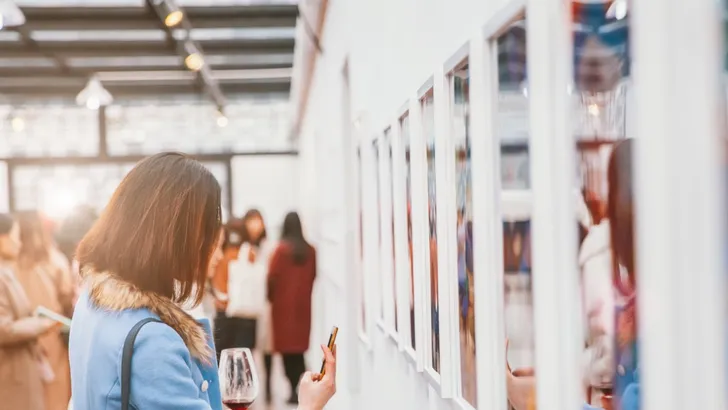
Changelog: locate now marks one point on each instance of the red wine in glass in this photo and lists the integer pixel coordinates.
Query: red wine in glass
(237, 404)
(238, 378)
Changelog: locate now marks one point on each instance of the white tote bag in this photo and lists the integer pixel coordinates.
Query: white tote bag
(247, 284)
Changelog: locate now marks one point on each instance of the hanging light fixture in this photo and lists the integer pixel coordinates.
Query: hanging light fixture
(94, 95)
(10, 14)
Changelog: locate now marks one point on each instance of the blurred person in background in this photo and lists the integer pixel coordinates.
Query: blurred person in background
(47, 283)
(231, 244)
(23, 367)
(290, 284)
(247, 312)
(206, 308)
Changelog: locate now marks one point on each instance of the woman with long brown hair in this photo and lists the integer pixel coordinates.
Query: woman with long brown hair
(148, 253)
(47, 283)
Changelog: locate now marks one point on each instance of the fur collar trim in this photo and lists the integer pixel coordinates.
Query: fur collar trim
(108, 292)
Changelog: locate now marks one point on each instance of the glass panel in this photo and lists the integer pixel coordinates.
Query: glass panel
(604, 203)
(512, 132)
(406, 143)
(428, 128)
(48, 131)
(194, 127)
(390, 182)
(58, 189)
(464, 220)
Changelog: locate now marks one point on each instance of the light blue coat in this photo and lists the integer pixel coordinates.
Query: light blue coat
(164, 374)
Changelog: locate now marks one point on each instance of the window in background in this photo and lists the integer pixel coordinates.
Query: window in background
(406, 143)
(249, 125)
(460, 82)
(604, 203)
(48, 130)
(428, 128)
(57, 190)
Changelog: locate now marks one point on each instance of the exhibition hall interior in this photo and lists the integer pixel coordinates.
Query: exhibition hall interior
(509, 204)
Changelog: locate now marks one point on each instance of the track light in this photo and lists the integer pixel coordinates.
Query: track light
(94, 95)
(194, 62)
(222, 120)
(173, 18)
(172, 15)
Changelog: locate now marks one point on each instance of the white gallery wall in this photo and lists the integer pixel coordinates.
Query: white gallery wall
(391, 47)
(268, 183)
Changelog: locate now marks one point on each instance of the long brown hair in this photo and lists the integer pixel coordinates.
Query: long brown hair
(620, 210)
(36, 242)
(159, 229)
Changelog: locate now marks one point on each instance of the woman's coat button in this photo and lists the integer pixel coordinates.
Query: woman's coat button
(205, 386)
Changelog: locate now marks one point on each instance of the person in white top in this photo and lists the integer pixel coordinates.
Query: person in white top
(248, 310)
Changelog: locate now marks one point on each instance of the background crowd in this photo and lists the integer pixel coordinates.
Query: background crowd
(258, 296)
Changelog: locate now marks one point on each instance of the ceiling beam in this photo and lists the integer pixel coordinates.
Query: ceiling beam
(118, 23)
(271, 10)
(127, 49)
(11, 72)
(66, 91)
(148, 46)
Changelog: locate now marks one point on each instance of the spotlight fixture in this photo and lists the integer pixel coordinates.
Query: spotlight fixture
(194, 62)
(222, 120)
(94, 95)
(173, 18)
(169, 12)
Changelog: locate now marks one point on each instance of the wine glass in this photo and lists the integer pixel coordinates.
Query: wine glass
(238, 378)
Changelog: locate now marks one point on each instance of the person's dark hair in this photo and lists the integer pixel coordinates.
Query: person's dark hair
(160, 228)
(6, 223)
(293, 234)
(245, 235)
(620, 211)
(233, 233)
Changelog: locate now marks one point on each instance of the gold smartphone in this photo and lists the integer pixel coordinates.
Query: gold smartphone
(332, 342)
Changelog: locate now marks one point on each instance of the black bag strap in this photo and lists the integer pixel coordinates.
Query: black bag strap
(126, 360)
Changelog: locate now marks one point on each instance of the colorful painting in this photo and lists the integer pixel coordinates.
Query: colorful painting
(464, 221)
(404, 123)
(428, 117)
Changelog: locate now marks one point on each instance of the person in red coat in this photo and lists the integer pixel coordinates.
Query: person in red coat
(290, 283)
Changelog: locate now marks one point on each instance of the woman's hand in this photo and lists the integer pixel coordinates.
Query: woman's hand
(315, 391)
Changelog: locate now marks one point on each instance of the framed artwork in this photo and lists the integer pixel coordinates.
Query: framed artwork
(427, 103)
(393, 262)
(409, 275)
(463, 276)
(378, 201)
